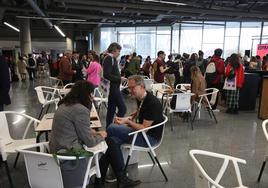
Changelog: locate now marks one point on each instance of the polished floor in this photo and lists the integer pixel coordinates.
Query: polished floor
(237, 135)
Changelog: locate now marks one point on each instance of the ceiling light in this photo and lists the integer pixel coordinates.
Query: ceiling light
(166, 2)
(59, 30)
(12, 27)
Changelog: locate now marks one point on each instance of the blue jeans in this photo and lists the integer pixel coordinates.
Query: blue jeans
(119, 133)
(115, 99)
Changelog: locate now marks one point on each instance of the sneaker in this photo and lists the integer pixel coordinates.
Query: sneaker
(126, 182)
(216, 110)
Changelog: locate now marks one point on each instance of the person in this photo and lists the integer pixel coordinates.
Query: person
(147, 66)
(201, 62)
(134, 65)
(187, 67)
(77, 66)
(234, 68)
(22, 68)
(159, 67)
(31, 66)
(71, 129)
(178, 70)
(170, 73)
(253, 63)
(65, 68)
(118, 132)
(94, 71)
(4, 83)
(199, 84)
(259, 63)
(265, 63)
(215, 79)
(111, 73)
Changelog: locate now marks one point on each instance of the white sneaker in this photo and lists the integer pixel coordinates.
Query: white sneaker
(216, 110)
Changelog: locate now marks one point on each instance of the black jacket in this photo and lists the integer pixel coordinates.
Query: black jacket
(4, 82)
(111, 71)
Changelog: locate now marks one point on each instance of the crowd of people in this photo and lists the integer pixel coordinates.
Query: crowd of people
(71, 122)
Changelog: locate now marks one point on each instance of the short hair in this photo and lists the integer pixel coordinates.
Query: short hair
(134, 54)
(218, 52)
(113, 47)
(258, 57)
(160, 53)
(200, 53)
(95, 57)
(169, 56)
(138, 80)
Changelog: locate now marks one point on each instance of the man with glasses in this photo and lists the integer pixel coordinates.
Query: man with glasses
(148, 113)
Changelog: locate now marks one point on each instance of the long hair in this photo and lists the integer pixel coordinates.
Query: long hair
(80, 93)
(195, 72)
(234, 61)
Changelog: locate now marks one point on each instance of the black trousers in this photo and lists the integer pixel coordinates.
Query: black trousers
(31, 72)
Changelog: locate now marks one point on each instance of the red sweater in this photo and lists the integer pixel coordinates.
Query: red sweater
(239, 75)
(219, 68)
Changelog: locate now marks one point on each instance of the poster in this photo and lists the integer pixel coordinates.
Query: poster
(262, 50)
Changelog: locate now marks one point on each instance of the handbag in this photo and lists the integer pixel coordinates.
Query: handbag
(73, 152)
(230, 84)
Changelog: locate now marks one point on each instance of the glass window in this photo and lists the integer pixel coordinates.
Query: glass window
(213, 32)
(127, 41)
(145, 29)
(191, 38)
(163, 43)
(163, 30)
(108, 35)
(175, 40)
(232, 29)
(230, 46)
(265, 33)
(145, 45)
(208, 49)
(249, 31)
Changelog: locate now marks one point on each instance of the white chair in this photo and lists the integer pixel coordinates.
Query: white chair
(158, 91)
(8, 144)
(264, 123)
(148, 84)
(70, 85)
(55, 82)
(43, 171)
(183, 104)
(46, 96)
(183, 87)
(203, 180)
(209, 103)
(100, 97)
(150, 149)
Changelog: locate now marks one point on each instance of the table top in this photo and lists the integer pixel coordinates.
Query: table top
(46, 122)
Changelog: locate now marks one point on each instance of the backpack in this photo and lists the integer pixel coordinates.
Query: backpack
(31, 62)
(211, 72)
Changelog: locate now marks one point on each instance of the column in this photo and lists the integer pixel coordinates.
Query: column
(25, 36)
(96, 40)
(69, 44)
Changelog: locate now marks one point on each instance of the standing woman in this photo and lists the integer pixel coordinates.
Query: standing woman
(22, 68)
(199, 83)
(234, 69)
(94, 71)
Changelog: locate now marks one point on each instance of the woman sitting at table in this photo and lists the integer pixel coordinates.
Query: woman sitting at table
(71, 129)
(199, 84)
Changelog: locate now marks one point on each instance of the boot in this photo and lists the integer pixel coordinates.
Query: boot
(124, 181)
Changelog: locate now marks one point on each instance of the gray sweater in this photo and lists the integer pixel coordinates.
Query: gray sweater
(71, 128)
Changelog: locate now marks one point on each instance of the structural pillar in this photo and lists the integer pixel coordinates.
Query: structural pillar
(25, 36)
(69, 44)
(96, 39)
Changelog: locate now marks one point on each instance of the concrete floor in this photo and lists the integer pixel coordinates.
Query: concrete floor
(237, 135)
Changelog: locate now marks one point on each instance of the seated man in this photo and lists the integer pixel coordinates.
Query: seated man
(148, 113)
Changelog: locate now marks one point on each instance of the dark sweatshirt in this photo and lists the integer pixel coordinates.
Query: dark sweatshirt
(111, 71)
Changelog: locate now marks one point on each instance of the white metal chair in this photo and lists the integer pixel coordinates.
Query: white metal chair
(203, 180)
(164, 97)
(43, 171)
(100, 97)
(150, 149)
(70, 85)
(46, 96)
(55, 82)
(148, 84)
(264, 123)
(183, 104)
(8, 144)
(209, 103)
(183, 87)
